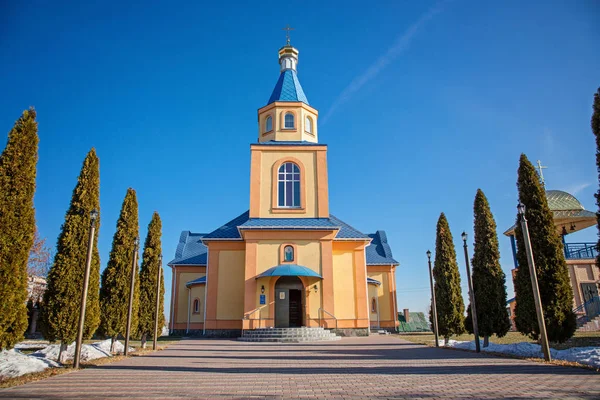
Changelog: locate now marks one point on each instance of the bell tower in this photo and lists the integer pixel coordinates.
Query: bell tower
(288, 117)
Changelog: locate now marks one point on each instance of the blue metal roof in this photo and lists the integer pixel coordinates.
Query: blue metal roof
(379, 251)
(287, 143)
(288, 88)
(289, 270)
(190, 250)
(230, 230)
(371, 281)
(199, 281)
(289, 223)
(347, 231)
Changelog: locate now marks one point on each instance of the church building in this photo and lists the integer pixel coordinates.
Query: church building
(287, 261)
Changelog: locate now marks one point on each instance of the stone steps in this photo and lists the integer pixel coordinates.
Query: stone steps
(288, 335)
(590, 326)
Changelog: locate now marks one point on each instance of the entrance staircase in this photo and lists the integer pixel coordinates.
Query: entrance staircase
(288, 335)
(584, 324)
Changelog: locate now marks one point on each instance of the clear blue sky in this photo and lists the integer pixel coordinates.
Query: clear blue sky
(421, 103)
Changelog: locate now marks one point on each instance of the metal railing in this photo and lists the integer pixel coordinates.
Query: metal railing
(579, 251)
(321, 311)
(582, 307)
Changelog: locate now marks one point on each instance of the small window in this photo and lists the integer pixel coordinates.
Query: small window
(289, 121)
(288, 253)
(269, 124)
(289, 185)
(196, 306)
(308, 125)
(373, 305)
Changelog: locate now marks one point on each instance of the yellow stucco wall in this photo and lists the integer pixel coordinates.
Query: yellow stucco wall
(344, 296)
(197, 293)
(308, 160)
(182, 295)
(373, 293)
(278, 132)
(230, 286)
(383, 294)
(308, 254)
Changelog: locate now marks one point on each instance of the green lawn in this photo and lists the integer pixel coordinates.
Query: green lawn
(581, 339)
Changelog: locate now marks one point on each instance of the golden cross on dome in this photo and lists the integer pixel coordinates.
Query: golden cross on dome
(287, 33)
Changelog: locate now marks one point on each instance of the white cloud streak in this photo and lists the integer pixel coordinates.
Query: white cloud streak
(401, 44)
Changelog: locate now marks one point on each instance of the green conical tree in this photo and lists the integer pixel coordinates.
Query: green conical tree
(17, 225)
(489, 281)
(449, 301)
(148, 276)
(114, 293)
(596, 131)
(62, 299)
(553, 276)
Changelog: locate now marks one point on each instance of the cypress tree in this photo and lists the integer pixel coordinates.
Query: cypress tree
(489, 281)
(114, 293)
(553, 276)
(596, 131)
(449, 301)
(62, 299)
(148, 274)
(17, 225)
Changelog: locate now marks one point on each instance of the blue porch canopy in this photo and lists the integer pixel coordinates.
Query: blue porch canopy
(372, 281)
(199, 281)
(289, 270)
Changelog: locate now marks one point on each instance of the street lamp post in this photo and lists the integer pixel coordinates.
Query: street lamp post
(534, 282)
(132, 287)
(156, 312)
(433, 306)
(84, 290)
(471, 294)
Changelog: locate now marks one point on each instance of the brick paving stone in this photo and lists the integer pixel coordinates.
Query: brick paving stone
(353, 368)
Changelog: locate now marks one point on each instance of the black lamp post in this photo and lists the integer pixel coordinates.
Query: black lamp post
(156, 311)
(534, 282)
(136, 243)
(84, 290)
(433, 305)
(471, 294)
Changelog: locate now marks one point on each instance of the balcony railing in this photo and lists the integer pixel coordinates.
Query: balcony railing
(578, 251)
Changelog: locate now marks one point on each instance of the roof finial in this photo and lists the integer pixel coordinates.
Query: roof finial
(541, 173)
(287, 33)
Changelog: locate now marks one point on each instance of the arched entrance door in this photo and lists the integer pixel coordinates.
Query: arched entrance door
(289, 299)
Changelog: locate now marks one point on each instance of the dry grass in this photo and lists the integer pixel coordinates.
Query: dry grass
(49, 372)
(580, 339)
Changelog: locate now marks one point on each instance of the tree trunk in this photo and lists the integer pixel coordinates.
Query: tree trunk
(113, 343)
(486, 341)
(62, 352)
(144, 337)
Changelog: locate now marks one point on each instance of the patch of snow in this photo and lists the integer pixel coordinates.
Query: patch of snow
(165, 331)
(13, 363)
(88, 351)
(583, 355)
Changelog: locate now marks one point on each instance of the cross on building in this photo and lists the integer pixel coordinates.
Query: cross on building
(541, 172)
(287, 33)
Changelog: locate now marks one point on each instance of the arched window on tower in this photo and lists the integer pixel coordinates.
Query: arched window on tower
(196, 306)
(269, 124)
(288, 253)
(308, 125)
(288, 121)
(288, 185)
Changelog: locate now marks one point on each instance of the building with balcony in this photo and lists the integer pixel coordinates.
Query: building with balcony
(569, 217)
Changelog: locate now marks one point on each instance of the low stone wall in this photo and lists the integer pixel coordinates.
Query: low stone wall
(210, 333)
(351, 332)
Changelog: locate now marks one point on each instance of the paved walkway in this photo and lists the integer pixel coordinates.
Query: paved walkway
(378, 366)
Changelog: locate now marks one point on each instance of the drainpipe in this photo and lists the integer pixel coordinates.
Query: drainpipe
(173, 295)
(205, 292)
(187, 329)
(367, 291)
(395, 298)
(377, 305)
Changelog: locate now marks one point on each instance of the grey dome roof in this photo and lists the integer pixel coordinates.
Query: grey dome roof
(562, 201)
